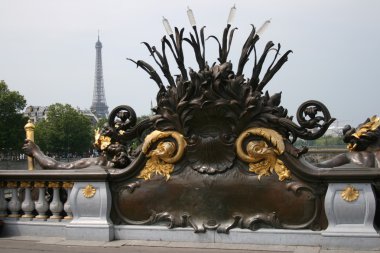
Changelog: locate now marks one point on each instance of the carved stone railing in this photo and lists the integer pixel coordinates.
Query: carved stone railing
(47, 199)
(350, 199)
(74, 201)
(349, 203)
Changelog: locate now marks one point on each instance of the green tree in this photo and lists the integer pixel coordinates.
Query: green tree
(330, 141)
(12, 121)
(100, 123)
(64, 131)
(326, 141)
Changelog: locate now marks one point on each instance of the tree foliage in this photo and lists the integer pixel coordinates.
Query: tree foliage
(64, 131)
(100, 123)
(12, 121)
(327, 141)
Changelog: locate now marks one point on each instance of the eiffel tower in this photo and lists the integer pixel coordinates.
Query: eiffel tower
(99, 104)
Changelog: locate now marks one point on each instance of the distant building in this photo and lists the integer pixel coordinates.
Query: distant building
(38, 113)
(89, 114)
(335, 131)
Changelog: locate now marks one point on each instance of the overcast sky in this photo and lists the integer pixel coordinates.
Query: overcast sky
(47, 49)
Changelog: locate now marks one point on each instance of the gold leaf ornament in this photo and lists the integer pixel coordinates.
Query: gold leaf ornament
(262, 159)
(162, 159)
(12, 184)
(350, 194)
(25, 184)
(101, 141)
(89, 191)
(156, 166)
(39, 184)
(54, 184)
(67, 185)
(372, 125)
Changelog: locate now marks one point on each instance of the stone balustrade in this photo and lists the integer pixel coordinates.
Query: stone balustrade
(76, 205)
(35, 200)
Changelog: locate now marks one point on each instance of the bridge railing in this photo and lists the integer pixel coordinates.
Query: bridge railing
(74, 204)
(41, 200)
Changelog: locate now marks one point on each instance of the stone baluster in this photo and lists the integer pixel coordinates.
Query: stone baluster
(27, 205)
(67, 207)
(56, 206)
(41, 204)
(3, 201)
(14, 205)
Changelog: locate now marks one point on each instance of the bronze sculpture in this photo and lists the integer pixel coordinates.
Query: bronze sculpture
(363, 144)
(112, 154)
(219, 151)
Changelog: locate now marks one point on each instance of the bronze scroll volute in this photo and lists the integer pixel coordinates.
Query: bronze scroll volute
(163, 157)
(262, 158)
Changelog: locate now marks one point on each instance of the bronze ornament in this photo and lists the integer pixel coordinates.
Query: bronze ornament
(363, 142)
(101, 141)
(214, 132)
(367, 127)
(270, 135)
(211, 187)
(162, 159)
(263, 159)
(372, 125)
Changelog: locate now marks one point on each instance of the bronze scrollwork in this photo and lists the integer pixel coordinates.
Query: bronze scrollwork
(211, 132)
(162, 158)
(263, 159)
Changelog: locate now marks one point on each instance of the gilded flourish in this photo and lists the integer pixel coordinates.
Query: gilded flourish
(67, 185)
(12, 184)
(25, 184)
(370, 126)
(54, 185)
(89, 191)
(39, 184)
(268, 134)
(162, 159)
(350, 194)
(263, 159)
(101, 141)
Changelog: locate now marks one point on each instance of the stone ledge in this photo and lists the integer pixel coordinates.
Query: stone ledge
(160, 236)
